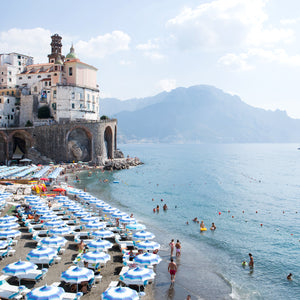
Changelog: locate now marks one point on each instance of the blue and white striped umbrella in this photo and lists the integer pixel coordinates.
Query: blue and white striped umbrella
(109, 210)
(77, 275)
(3, 244)
(147, 259)
(120, 293)
(137, 276)
(95, 225)
(19, 268)
(54, 223)
(61, 230)
(99, 245)
(81, 214)
(88, 219)
(75, 208)
(96, 257)
(31, 197)
(9, 234)
(103, 234)
(46, 292)
(127, 220)
(8, 225)
(7, 218)
(48, 217)
(42, 211)
(102, 205)
(119, 214)
(143, 235)
(136, 226)
(53, 241)
(68, 203)
(41, 253)
(148, 245)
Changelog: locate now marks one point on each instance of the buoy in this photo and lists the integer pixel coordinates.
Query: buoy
(203, 229)
(261, 224)
(219, 212)
(256, 211)
(232, 217)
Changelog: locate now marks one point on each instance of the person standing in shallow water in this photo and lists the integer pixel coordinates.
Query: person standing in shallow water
(251, 262)
(172, 245)
(178, 248)
(172, 268)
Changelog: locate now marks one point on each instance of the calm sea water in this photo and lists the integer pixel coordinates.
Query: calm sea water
(250, 191)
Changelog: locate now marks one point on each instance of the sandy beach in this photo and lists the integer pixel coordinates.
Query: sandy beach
(110, 272)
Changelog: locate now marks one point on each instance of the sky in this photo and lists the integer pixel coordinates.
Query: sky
(141, 47)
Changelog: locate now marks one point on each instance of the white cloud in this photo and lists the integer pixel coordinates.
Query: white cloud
(287, 22)
(33, 42)
(167, 84)
(245, 61)
(150, 45)
(154, 55)
(226, 23)
(103, 45)
(125, 62)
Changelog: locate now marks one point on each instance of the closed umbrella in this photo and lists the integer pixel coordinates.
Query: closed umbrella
(19, 268)
(120, 293)
(46, 293)
(100, 245)
(77, 275)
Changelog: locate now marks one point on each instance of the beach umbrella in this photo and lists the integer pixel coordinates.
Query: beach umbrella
(147, 259)
(59, 190)
(99, 245)
(48, 217)
(127, 220)
(143, 235)
(61, 230)
(41, 255)
(120, 293)
(3, 244)
(95, 257)
(103, 234)
(88, 219)
(46, 292)
(137, 276)
(31, 197)
(102, 205)
(19, 268)
(53, 241)
(8, 218)
(136, 226)
(118, 214)
(41, 211)
(44, 179)
(8, 225)
(55, 223)
(77, 275)
(148, 245)
(81, 214)
(109, 209)
(95, 225)
(61, 197)
(9, 234)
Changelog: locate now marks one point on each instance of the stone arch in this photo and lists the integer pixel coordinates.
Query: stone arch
(20, 141)
(108, 141)
(115, 137)
(79, 142)
(3, 147)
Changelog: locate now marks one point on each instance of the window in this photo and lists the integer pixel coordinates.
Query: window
(49, 83)
(35, 89)
(70, 71)
(12, 110)
(11, 117)
(49, 76)
(62, 68)
(29, 77)
(46, 83)
(55, 74)
(55, 68)
(9, 73)
(7, 93)
(19, 56)
(81, 105)
(93, 98)
(73, 105)
(54, 106)
(19, 63)
(12, 93)
(88, 97)
(88, 106)
(54, 94)
(20, 78)
(7, 100)
(39, 76)
(9, 79)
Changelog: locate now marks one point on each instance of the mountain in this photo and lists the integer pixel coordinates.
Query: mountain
(199, 114)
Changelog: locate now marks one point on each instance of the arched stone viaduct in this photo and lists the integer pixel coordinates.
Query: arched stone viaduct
(73, 141)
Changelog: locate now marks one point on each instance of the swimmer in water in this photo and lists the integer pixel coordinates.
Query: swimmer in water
(289, 277)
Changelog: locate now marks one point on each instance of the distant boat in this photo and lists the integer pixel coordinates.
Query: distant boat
(116, 181)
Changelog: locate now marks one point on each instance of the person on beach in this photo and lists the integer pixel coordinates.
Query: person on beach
(81, 246)
(251, 262)
(188, 297)
(213, 226)
(157, 208)
(131, 255)
(172, 268)
(165, 207)
(195, 219)
(178, 248)
(289, 277)
(172, 245)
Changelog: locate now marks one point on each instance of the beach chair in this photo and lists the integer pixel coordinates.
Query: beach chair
(72, 296)
(35, 275)
(3, 253)
(8, 291)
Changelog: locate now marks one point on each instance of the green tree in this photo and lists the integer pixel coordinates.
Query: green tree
(28, 124)
(44, 112)
(104, 117)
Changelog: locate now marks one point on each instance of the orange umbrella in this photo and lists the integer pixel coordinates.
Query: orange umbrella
(59, 190)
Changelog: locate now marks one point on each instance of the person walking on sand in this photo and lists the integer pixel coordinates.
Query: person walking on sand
(251, 262)
(172, 245)
(178, 248)
(172, 268)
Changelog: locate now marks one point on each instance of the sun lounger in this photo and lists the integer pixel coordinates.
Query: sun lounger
(35, 275)
(8, 291)
(72, 296)
(124, 270)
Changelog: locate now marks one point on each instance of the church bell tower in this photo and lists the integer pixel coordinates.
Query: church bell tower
(56, 46)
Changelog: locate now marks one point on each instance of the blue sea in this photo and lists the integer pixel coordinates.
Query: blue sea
(250, 191)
